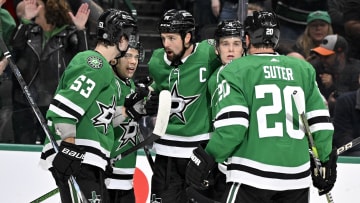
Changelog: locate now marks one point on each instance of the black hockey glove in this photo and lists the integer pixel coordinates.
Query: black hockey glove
(152, 104)
(199, 168)
(327, 181)
(68, 160)
(143, 81)
(134, 103)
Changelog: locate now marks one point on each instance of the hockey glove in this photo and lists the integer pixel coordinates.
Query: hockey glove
(327, 181)
(68, 160)
(152, 104)
(143, 81)
(134, 103)
(199, 168)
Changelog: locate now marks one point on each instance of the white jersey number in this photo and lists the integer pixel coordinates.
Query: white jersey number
(88, 86)
(280, 99)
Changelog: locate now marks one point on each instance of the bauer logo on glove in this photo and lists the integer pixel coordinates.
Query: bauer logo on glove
(199, 168)
(72, 153)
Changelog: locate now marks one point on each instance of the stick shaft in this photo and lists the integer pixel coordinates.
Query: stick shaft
(315, 154)
(35, 108)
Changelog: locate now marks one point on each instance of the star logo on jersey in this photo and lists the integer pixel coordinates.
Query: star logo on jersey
(94, 62)
(130, 130)
(104, 118)
(180, 103)
(95, 198)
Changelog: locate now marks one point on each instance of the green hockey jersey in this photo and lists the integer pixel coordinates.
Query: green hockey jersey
(189, 122)
(257, 126)
(126, 136)
(212, 88)
(85, 97)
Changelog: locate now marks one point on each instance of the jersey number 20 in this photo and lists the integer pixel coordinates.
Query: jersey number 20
(272, 90)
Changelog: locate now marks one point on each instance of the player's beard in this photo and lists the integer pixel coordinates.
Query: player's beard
(176, 58)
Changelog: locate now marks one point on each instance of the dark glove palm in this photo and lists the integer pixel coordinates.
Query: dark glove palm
(325, 183)
(198, 170)
(134, 103)
(68, 160)
(152, 104)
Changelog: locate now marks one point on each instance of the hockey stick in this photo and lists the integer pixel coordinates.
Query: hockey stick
(242, 10)
(314, 151)
(46, 196)
(36, 109)
(147, 151)
(161, 123)
(348, 145)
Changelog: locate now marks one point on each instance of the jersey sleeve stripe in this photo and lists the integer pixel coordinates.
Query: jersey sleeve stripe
(317, 113)
(70, 104)
(231, 121)
(319, 119)
(233, 108)
(61, 112)
(233, 115)
(321, 126)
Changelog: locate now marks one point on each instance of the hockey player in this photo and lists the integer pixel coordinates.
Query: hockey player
(229, 46)
(183, 67)
(120, 181)
(82, 110)
(257, 125)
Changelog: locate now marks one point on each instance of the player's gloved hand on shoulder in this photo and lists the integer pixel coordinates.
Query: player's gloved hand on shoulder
(152, 104)
(134, 103)
(198, 171)
(68, 160)
(143, 81)
(329, 173)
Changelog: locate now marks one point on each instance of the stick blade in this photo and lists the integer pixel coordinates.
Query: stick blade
(163, 113)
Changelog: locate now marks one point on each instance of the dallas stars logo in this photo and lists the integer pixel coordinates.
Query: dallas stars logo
(130, 130)
(94, 62)
(180, 103)
(104, 118)
(95, 198)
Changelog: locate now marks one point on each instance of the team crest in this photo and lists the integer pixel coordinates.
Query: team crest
(211, 42)
(180, 103)
(95, 62)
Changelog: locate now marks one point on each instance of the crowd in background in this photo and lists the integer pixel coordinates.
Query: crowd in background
(324, 33)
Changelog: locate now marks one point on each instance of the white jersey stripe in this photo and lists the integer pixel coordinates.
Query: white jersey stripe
(70, 104)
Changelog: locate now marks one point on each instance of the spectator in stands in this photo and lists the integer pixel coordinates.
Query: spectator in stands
(336, 10)
(7, 27)
(318, 26)
(229, 9)
(293, 15)
(352, 26)
(46, 40)
(333, 54)
(346, 120)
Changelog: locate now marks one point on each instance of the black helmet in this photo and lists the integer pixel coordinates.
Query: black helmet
(113, 24)
(229, 28)
(140, 49)
(263, 28)
(177, 21)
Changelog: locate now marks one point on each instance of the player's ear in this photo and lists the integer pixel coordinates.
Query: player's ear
(113, 62)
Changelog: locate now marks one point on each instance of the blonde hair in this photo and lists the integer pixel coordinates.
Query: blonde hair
(306, 43)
